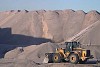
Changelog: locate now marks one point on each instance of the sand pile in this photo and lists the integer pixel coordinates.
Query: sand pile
(36, 27)
(34, 52)
(91, 37)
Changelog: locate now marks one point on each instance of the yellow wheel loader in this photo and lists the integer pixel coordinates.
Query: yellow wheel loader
(72, 53)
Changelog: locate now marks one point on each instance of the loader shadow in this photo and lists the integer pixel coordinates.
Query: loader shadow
(91, 62)
(9, 41)
(88, 62)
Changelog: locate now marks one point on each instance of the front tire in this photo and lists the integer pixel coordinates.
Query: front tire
(73, 58)
(56, 58)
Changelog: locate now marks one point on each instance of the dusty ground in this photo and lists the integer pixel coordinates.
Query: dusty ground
(28, 63)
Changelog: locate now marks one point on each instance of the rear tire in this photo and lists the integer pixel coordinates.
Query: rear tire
(56, 58)
(73, 58)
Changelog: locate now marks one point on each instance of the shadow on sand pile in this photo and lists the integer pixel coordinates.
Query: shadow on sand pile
(9, 41)
(6, 37)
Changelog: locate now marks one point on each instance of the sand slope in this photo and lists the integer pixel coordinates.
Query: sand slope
(57, 25)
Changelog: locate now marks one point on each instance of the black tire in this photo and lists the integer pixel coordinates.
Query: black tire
(82, 62)
(56, 58)
(73, 58)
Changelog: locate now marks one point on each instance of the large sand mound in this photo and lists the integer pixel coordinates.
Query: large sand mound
(36, 27)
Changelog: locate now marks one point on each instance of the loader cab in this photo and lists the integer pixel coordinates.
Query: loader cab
(71, 45)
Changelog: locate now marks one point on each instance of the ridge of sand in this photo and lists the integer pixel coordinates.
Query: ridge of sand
(57, 25)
